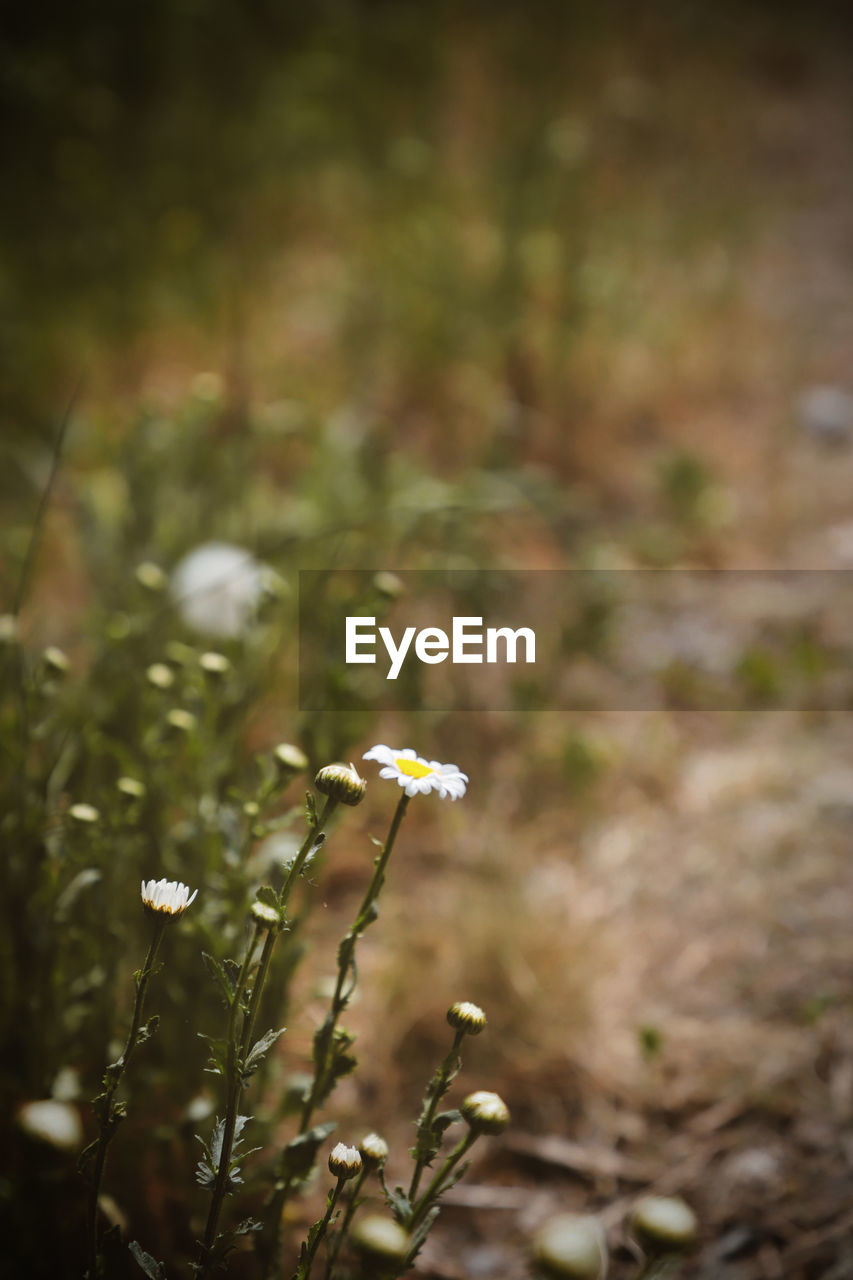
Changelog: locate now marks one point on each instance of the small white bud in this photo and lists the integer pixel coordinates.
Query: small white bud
(374, 1150)
(85, 813)
(664, 1222)
(342, 783)
(181, 721)
(381, 1237)
(467, 1017)
(131, 787)
(161, 676)
(151, 576)
(485, 1112)
(345, 1162)
(571, 1245)
(215, 665)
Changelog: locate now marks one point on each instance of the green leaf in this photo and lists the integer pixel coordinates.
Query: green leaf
(399, 1204)
(149, 1265)
(258, 1052)
(146, 1031)
(299, 1156)
(218, 971)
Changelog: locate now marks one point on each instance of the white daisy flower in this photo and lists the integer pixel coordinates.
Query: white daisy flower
(218, 588)
(416, 775)
(166, 897)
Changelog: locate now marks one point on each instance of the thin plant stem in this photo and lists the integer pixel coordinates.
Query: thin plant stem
(108, 1121)
(220, 1186)
(303, 1271)
(436, 1091)
(280, 1195)
(237, 1051)
(352, 1205)
(346, 955)
(433, 1191)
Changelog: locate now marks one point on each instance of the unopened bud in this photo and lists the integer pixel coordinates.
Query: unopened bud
(467, 1017)
(381, 1237)
(131, 787)
(266, 915)
(151, 576)
(388, 584)
(485, 1112)
(374, 1150)
(289, 759)
(215, 665)
(84, 813)
(571, 1245)
(181, 721)
(341, 782)
(55, 661)
(161, 676)
(345, 1162)
(664, 1222)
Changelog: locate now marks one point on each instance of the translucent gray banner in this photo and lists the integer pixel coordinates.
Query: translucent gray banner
(480, 640)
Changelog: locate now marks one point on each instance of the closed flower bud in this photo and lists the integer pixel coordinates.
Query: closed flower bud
(131, 787)
(151, 576)
(663, 1222)
(161, 676)
(467, 1017)
(181, 721)
(341, 782)
(214, 665)
(55, 661)
(571, 1245)
(84, 813)
(485, 1112)
(289, 759)
(265, 915)
(381, 1238)
(374, 1150)
(345, 1162)
(388, 585)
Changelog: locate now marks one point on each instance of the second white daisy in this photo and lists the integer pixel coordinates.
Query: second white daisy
(416, 775)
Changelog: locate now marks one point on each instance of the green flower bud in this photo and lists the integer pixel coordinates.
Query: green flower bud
(181, 721)
(374, 1150)
(85, 813)
(663, 1223)
(571, 1245)
(380, 1237)
(485, 1112)
(215, 665)
(151, 576)
(265, 915)
(289, 759)
(55, 661)
(345, 1162)
(161, 676)
(341, 782)
(467, 1017)
(131, 787)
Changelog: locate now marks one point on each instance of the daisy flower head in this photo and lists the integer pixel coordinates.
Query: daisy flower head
(166, 897)
(416, 775)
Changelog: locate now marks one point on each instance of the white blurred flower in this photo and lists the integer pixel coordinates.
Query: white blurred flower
(55, 1122)
(166, 897)
(417, 775)
(218, 588)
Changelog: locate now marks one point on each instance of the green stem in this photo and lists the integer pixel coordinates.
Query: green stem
(232, 1102)
(108, 1122)
(307, 845)
(435, 1187)
(346, 954)
(436, 1090)
(237, 1053)
(352, 1205)
(303, 1271)
(281, 1193)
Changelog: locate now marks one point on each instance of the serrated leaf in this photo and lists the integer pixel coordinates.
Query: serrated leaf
(420, 1235)
(399, 1204)
(147, 1030)
(149, 1265)
(218, 971)
(259, 1050)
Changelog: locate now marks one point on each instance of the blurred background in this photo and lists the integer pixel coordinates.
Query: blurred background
(391, 286)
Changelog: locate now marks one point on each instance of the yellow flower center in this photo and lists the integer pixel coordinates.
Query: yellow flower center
(413, 768)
